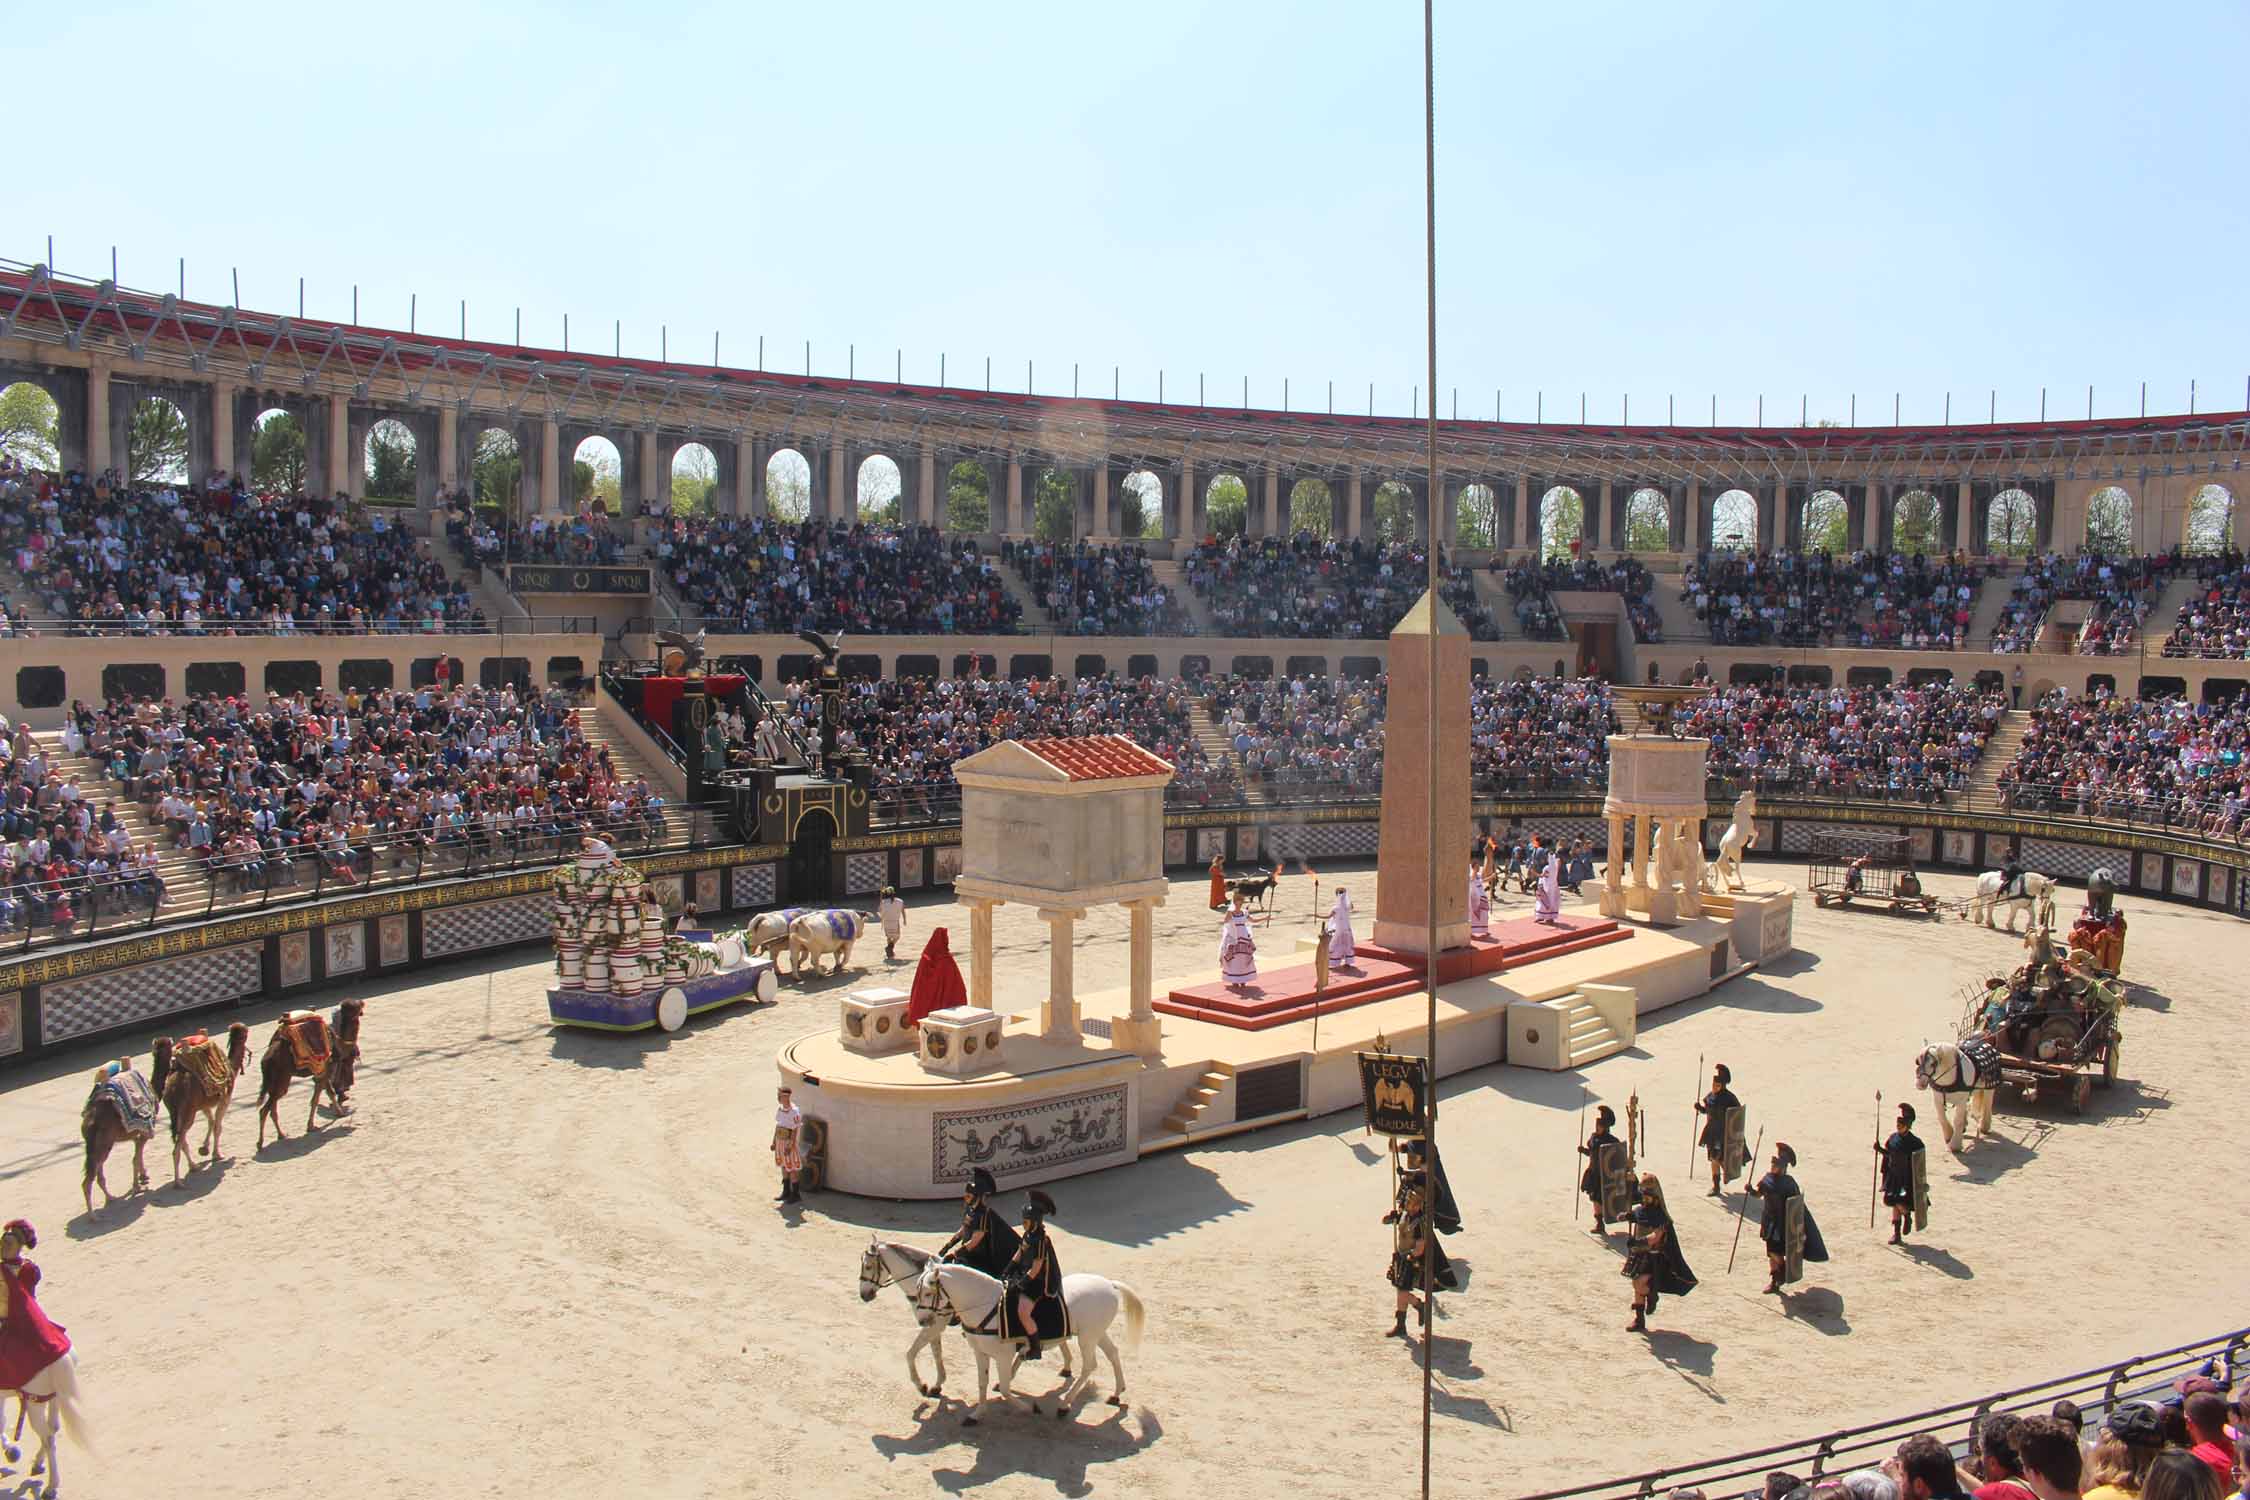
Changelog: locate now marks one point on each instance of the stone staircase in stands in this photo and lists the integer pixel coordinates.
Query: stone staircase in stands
(601, 734)
(1217, 748)
(1198, 1097)
(185, 892)
(2164, 615)
(1985, 614)
(1174, 577)
(2007, 738)
(1036, 618)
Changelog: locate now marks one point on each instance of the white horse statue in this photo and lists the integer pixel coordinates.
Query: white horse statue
(2034, 897)
(1953, 1076)
(827, 933)
(1725, 872)
(1092, 1303)
(50, 1400)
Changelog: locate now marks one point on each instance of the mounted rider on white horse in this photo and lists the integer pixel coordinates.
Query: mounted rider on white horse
(2016, 888)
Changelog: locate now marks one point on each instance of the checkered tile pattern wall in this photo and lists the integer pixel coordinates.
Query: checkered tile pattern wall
(2075, 860)
(755, 886)
(1318, 841)
(99, 1002)
(488, 924)
(866, 873)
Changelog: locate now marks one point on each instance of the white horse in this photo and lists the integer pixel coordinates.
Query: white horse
(1725, 873)
(1953, 1077)
(889, 1263)
(2037, 899)
(50, 1399)
(1092, 1302)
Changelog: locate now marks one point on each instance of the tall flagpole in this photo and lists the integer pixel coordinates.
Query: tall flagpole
(1434, 492)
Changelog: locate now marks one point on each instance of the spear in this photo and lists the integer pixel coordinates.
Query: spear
(1575, 1195)
(1875, 1188)
(1692, 1131)
(1743, 1211)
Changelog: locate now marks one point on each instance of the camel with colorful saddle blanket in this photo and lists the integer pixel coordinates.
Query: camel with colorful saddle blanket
(304, 1045)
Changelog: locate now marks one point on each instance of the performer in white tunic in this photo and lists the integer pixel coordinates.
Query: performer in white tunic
(1548, 908)
(1341, 950)
(1238, 949)
(1480, 906)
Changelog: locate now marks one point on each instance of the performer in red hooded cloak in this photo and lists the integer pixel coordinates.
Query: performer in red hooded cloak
(937, 980)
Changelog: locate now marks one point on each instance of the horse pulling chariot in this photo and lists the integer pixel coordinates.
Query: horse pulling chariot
(1875, 868)
(2051, 1027)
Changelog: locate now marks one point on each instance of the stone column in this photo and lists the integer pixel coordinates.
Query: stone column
(1870, 517)
(1139, 1031)
(1102, 528)
(448, 446)
(1352, 506)
(222, 430)
(1694, 517)
(929, 505)
(1613, 869)
(1273, 499)
(646, 501)
(843, 497)
(339, 445)
(1962, 510)
(98, 451)
(1186, 508)
(553, 495)
(1412, 761)
(1644, 839)
(1011, 518)
(980, 951)
(1058, 1016)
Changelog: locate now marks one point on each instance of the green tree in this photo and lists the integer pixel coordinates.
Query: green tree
(1562, 520)
(968, 497)
(390, 461)
(594, 477)
(1648, 522)
(277, 453)
(1226, 505)
(1827, 523)
(2010, 524)
(1914, 523)
(695, 481)
(1475, 514)
(1140, 506)
(156, 442)
(1054, 507)
(2210, 520)
(1392, 513)
(2109, 521)
(789, 487)
(881, 492)
(496, 472)
(1312, 507)
(30, 426)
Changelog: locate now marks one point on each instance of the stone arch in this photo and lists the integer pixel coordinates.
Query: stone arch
(1053, 493)
(1226, 503)
(788, 486)
(879, 491)
(2011, 524)
(391, 458)
(279, 457)
(1917, 523)
(2210, 520)
(1734, 521)
(31, 425)
(2109, 520)
(1648, 521)
(1144, 489)
(693, 489)
(597, 474)
(1391, 512)
(496, 470)
(157, 437)
(1562, 521)
(1312, 508)
(1476, 516)
(1826, 523)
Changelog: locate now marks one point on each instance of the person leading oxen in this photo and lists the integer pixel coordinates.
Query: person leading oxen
(1777, 1190)
(984, 1240)
(1904, 1184)
(1035, 1278)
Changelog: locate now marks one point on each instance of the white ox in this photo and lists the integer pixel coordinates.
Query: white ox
(827, 934)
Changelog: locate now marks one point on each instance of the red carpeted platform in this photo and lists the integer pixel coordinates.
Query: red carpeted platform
(1279, 996)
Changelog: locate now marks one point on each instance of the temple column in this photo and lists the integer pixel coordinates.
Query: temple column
(1012, 517)
(1058, 1016)
(1139, 1030)
(1613, 869)
(980, 951)
(1644, 838)
(448, 446)
(1961, 519)
(98, 454)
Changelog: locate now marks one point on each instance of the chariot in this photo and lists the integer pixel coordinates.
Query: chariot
(1874, 868)
(2056, 1031)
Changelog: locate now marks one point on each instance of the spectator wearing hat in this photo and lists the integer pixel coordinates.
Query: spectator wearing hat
(2130, 1441)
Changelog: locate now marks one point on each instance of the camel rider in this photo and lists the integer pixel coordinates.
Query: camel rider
(1035, 1278)
(984, 1241)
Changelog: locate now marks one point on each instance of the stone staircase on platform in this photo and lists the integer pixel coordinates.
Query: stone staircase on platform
(1198, 1097)
(1589, 1038)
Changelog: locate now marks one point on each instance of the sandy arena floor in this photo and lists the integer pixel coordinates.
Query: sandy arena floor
(545, 1262)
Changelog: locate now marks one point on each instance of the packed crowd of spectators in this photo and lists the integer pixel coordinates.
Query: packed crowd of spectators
(1305, 587)
(1772, 598)
(2120, 591)
(1529, 582)
(589, 537)
(2215, 622)
(2165, 760)
(62, 846)
(219, 559)
(774, 576)
(1915, 603)
(1895, 743)
(1091, 590)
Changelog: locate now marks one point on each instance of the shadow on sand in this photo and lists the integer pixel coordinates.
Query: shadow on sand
(1012, 1444)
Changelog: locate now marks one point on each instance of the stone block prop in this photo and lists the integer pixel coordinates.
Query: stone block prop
(962, 1040)
(1412, 761)
(1764, 925)
(874, 1022)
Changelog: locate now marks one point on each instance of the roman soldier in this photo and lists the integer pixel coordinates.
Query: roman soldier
(984, 1241)
(1655, 1265)
(1713, 1107)
(1904, 1186)
(1777, 1191)
(1410, 1241)
(1591, 1180)
(1035, 1278)
(1413, 1180)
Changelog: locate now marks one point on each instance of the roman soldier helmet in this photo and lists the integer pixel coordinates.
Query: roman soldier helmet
(1787, 1155)
(981, 1185)
(1604, 1117)
(1906, 1113)
(1037, 1205)
(1725, 1074)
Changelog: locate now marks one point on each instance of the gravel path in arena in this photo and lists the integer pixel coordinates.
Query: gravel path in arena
(545, 1262)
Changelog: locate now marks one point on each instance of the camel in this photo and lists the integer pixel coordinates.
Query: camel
(102, 1122)
(200, 1081)
(305, 1046)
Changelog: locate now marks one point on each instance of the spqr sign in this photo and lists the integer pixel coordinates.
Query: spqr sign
(1397, 1093)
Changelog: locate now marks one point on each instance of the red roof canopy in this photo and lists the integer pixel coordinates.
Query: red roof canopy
(1097, 757)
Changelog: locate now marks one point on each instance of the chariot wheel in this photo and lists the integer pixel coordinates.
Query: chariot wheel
(2081, 1090)
(671, 1009)
(767, 987)
(2109, 1065)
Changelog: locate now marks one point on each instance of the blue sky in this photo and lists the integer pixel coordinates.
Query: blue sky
(1680, 200)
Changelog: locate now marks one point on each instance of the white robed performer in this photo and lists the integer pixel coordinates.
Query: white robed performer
(1341, 950)
(1238, 949)
(1480, 906)
(1548, 908)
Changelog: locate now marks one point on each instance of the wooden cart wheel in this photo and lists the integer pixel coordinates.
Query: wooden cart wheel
(2109, 1065)
(2081, 1090)
(671, 1009)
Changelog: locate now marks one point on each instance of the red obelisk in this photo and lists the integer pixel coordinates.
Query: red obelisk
(1411, 760)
